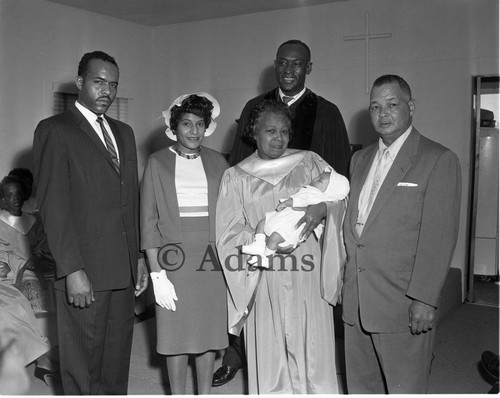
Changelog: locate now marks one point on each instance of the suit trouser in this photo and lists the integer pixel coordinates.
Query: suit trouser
(380, 363)
(95, 343)
(234, 356)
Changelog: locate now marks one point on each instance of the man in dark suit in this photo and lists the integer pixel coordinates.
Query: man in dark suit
(87, 190)
(400, 233)
(317, 125)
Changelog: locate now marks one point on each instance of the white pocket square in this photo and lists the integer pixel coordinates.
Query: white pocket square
(407, 184)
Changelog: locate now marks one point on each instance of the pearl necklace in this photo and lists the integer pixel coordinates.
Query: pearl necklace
(188, 156)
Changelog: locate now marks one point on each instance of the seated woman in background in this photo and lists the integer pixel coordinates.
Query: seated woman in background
(24, 251)
(21, 243)
(178, 198)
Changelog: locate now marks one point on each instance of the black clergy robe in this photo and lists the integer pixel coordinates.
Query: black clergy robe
(317, 126)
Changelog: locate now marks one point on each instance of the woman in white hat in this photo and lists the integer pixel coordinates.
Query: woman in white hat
(178, 199)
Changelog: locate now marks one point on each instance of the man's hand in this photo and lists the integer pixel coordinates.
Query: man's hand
(314, 215)
(142, 277)
(79, 289)
(422, 317)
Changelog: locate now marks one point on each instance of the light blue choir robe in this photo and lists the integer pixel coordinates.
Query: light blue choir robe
(289, 332)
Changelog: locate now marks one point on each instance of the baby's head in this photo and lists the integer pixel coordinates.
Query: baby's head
(335, 185)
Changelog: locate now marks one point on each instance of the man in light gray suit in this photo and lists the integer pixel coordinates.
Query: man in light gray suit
(400, 232)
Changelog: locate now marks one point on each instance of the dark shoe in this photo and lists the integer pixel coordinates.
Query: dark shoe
(49, 377)
(223, 375)
(494, 389)
(490, 363)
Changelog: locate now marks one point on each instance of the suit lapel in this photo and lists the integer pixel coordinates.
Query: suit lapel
(361, 171)
(398, 170)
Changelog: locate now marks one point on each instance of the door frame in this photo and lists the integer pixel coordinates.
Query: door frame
(474, 178)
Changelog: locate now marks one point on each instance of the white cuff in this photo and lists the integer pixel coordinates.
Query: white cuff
(159, 275)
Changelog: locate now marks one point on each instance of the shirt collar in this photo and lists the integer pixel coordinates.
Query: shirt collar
(295, 97)
(394, 148)
(89, 115)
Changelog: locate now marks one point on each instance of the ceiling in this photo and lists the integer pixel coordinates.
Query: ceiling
(166, 12)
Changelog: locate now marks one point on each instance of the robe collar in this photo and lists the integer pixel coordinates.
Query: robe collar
(22, 223)
(272, 170)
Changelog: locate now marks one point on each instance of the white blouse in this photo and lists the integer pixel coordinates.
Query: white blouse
(191, 186)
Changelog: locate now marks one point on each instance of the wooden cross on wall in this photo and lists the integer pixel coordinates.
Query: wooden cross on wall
(366, 37)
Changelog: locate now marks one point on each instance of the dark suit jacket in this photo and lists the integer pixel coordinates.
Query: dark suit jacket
(90, 212)
(408, 240)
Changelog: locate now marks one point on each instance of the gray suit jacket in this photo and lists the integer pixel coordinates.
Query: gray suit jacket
(159, 213)
(408, 240)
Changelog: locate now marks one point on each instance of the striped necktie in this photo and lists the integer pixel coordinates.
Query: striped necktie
(109, 145)
(287, 99)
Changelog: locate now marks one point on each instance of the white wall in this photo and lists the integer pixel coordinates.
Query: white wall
(437, 52)
(436, 45)
(41, 44)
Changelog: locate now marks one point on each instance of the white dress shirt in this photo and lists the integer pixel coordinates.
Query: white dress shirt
(370, 191)
(295, 97)
(92, 119)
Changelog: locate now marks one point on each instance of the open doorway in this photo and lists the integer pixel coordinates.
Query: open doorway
(483, 272)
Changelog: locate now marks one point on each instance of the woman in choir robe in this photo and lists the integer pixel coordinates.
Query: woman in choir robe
(285, 309)
(178, 198)
(23, 247)
(24, 250)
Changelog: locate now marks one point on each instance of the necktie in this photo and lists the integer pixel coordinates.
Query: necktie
(287, 99)
(364, 211)
(109, 145)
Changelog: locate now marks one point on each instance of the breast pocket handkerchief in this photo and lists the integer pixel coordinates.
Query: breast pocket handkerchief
(407, 184)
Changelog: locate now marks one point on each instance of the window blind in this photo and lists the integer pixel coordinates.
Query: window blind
(118, 109)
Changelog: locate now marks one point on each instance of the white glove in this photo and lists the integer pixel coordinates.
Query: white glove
(164, 290)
